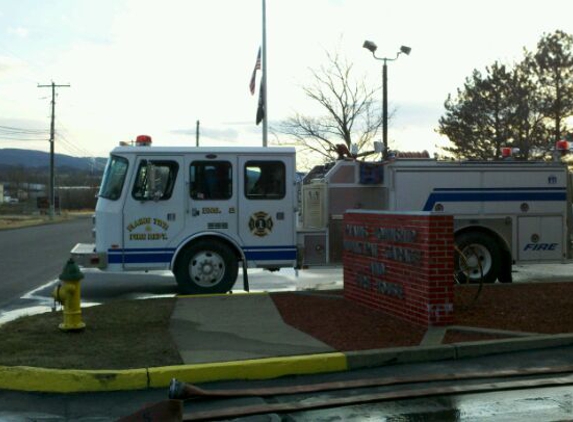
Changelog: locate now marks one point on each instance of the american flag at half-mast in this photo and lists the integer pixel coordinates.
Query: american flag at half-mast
(261, 106)
(254, 76)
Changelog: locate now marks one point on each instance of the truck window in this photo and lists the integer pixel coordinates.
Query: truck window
(113, 178)
(155, 180)
(211, 180)
(265, 180)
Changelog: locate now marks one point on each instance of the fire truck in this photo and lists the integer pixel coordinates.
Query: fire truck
(202, 211)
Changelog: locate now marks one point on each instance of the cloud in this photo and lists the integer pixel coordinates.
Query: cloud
(18, 31)
(8, 63)
(417, 114)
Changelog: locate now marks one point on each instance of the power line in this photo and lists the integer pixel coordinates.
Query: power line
(81, 151)
(60, 134)
(74, 151)
(85, 152)
(9, 134)
(77, 150)
(17, 130)
(9, 138)
(70, 147)
(73, 148)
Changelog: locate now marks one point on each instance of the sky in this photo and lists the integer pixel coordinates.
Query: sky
(156, 67)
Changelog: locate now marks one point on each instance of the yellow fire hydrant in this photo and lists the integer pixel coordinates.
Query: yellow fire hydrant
(68, 294)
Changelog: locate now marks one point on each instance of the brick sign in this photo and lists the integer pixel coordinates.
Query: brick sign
(401, 264)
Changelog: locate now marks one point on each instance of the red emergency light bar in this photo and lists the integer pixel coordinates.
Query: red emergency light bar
(509, 152)
(143, 141)
(506, 152)
(562, 145)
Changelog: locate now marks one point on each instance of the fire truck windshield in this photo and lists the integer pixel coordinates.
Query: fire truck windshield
(113, 178)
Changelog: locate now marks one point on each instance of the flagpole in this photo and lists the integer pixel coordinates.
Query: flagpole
(264, 79)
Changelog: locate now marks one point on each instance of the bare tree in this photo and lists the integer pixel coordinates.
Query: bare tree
(351, 114)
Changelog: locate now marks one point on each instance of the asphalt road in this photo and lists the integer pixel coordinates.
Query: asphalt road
(34, 255)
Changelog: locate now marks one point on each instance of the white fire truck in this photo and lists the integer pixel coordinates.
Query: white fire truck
(200, 212)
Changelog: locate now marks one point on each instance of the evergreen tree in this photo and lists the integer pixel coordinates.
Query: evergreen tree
(478, 120)
(524, 106)
(552, 65)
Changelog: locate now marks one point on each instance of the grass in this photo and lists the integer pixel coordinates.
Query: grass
(118, 335)
(19, 221)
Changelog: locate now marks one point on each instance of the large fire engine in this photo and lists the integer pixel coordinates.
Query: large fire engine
(201, 211)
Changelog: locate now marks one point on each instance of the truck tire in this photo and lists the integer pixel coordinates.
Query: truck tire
(482, 258)
(206, 267)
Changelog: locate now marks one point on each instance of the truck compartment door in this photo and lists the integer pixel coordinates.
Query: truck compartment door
(540, 238)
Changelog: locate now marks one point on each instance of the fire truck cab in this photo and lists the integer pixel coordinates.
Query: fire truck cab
(195, 211)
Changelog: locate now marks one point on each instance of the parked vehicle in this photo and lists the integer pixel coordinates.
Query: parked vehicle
(200, 212)
(504, 211)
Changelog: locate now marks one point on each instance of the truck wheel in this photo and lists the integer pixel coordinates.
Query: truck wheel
(206, 267)
(481, 258)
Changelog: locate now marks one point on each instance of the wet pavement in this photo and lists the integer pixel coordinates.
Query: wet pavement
(548, 404)
(529, 404)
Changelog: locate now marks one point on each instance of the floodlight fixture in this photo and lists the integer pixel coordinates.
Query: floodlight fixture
(405, 50)
(370, 46)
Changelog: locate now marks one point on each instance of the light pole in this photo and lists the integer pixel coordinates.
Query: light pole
(370, 46)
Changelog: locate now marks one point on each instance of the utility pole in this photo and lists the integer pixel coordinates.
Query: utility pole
(197, 134)
(52, 138)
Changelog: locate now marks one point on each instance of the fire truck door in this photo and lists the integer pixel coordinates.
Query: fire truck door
(212, 194)
(154, 213)
(267, 210)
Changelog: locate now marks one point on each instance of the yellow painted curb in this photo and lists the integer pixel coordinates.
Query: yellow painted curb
(25, 378)
(249, 369)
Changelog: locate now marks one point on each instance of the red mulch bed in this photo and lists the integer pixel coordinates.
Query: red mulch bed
(533, 307)
(344, 325)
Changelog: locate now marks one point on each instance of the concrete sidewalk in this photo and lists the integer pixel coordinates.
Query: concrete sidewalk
(225, 328)
(220, 338)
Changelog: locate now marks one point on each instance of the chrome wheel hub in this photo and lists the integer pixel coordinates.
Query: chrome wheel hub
(207, 268)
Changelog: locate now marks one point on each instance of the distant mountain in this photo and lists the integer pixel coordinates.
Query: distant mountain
(12, 157)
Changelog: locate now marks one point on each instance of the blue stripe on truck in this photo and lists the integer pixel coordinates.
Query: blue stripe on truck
(165, 255)
(495, 195)
(270, 253)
